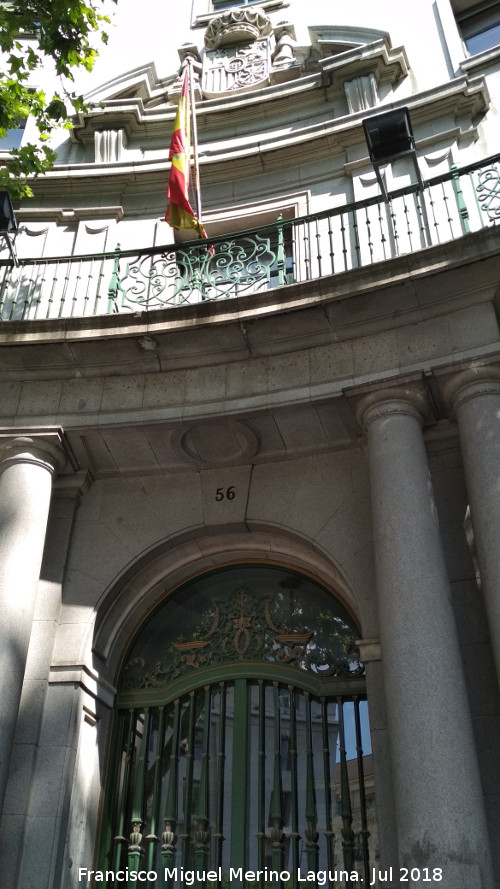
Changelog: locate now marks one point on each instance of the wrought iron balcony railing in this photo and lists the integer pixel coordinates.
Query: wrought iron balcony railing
(347, 237)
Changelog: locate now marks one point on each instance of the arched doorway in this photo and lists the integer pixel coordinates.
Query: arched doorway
(241, 740)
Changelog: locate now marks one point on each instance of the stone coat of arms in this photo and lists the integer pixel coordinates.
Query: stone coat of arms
(237, 67)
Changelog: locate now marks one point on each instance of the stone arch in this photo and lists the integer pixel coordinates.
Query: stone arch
(163, 568)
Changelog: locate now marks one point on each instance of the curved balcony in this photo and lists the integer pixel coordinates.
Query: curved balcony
(351, 236)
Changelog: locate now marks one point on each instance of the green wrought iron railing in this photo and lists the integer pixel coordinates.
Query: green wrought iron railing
(241, 264)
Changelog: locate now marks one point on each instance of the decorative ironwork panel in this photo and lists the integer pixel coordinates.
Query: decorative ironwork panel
(244, 627)
(488, 192)
(234, 267)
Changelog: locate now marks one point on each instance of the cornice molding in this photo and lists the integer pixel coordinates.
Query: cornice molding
(143, 80)
(482, 62)
(131, 113)
(463, 100)
(388, 65)
(68, 216)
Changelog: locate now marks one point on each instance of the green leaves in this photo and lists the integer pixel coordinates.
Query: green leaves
(16, 64)
(56, 109)
(24, 162)
(64, 31)
(31, 33)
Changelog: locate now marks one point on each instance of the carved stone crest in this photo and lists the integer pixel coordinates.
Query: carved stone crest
(242, 51)
(238, 67)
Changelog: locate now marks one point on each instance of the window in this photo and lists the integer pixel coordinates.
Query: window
(206, 9)
(480, 26)
(225, 4)
(13, 137)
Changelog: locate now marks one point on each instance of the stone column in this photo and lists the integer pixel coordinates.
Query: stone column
(475, 400)
(438, 800)
(27, 464)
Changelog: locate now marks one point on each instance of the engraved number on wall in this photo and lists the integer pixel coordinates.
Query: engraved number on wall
(225, 493)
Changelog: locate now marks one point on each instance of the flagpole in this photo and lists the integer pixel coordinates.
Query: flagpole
(196, 174)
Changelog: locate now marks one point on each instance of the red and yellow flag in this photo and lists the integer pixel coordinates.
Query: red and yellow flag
(180, 214)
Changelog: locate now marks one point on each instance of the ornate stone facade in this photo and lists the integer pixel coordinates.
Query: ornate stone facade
(314, 390)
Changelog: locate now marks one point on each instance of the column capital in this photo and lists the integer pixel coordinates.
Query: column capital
(392, 401)
(471, 383)
(44, 448)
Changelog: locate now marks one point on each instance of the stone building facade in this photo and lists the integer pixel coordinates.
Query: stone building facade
(303, 417)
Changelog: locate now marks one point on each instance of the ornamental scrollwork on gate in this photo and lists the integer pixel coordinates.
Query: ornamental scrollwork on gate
(488, 192)
(243, 628)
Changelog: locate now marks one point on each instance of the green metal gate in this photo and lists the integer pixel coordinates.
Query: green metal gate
(240, 753)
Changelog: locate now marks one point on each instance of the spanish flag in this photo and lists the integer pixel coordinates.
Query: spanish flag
(180, 214)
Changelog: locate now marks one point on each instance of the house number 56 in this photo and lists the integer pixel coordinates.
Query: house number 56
(227, 494)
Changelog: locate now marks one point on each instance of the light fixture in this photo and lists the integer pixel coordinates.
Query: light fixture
(389, 136)
(8, 224)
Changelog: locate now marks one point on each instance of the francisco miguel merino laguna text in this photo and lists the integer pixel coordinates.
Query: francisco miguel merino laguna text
(190, 877)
